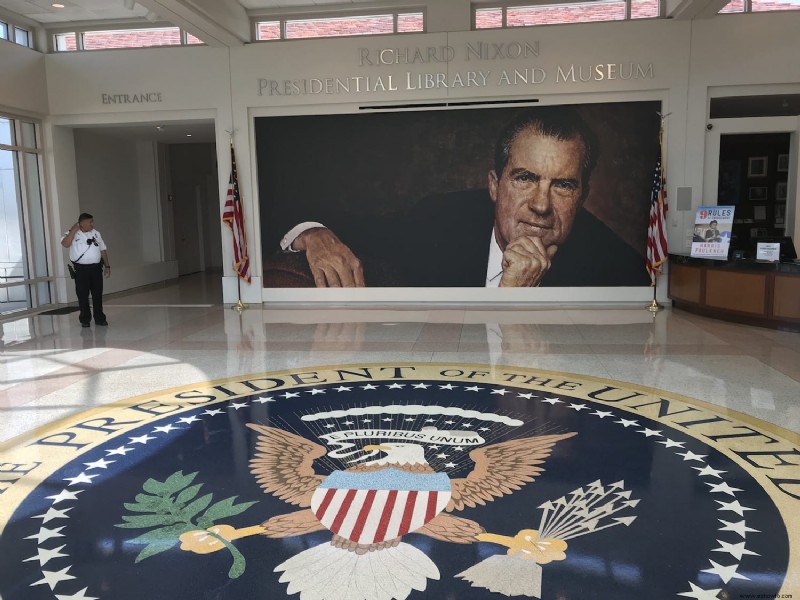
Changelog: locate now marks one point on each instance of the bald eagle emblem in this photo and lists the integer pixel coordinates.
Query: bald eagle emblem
(371, 505)
(383, 488)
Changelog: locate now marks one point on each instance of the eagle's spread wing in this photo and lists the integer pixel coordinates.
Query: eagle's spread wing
(501, 469)
(283, 464)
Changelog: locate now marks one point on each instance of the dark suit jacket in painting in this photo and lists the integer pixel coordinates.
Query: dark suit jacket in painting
(444, 242)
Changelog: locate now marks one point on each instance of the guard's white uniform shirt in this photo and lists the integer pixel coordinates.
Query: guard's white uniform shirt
(91, 252)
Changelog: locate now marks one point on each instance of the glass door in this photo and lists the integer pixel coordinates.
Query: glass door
(24, 270)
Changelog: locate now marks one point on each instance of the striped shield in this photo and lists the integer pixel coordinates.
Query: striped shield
(369, 508)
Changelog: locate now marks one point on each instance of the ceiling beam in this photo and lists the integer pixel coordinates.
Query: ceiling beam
(219, 23)
(686, 10)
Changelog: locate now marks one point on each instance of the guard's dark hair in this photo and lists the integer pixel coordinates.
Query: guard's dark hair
(560, 122)
(84, 216)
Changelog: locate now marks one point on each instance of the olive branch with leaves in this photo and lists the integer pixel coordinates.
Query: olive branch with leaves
(171, 507)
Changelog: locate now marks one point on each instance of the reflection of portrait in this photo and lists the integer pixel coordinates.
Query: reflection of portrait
(529, 227)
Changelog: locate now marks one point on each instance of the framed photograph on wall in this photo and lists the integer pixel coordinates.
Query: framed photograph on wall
(780, 191)
(780, 214)
(758, 194)
(783, 163)
(757, 166)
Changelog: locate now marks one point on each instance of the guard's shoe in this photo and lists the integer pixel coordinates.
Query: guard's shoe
(84, 324)
(103, 324)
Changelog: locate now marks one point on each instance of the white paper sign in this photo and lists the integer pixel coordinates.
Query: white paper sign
(768, 251)
(712, 232)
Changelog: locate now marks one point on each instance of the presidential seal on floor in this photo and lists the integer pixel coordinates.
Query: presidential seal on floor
(395, 481)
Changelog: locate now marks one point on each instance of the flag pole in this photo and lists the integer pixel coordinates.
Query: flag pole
(239, 306)
(654, 307)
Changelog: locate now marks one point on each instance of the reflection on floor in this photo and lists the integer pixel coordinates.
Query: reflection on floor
(179, 334)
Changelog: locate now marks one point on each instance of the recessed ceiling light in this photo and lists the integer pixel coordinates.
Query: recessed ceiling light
(159, 128)
(57, 5)
(188, 135)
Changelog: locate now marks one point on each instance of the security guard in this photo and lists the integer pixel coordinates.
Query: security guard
(88, 255)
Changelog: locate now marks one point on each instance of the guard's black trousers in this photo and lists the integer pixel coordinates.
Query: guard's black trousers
(89, 279)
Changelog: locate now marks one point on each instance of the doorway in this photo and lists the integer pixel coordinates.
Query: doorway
(194, 204)
(154, 188)
(753, 177)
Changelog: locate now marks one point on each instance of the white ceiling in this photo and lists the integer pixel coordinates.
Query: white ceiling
(189, 131)
(43, 12)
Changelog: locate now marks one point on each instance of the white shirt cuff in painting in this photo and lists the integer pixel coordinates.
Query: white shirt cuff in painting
(494, 270)
(294, 233)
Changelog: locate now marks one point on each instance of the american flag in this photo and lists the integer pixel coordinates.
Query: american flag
(234, 217)
(657, 227)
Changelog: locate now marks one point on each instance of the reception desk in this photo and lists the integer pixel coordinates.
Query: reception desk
(745, 291)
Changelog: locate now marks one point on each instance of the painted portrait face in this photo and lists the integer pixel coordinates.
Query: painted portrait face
(539, 191)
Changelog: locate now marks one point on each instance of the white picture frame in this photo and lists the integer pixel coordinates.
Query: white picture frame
(780, 191)
(757, 166)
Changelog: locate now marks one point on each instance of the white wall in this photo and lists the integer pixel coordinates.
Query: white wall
(186, 78)
(167, 212)
(448, 15)
(148, 204)
(117, 184)
(108, 188)
(62, 188)
(24, 85)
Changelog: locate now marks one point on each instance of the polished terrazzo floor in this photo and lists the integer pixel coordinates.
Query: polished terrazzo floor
(178, 334)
